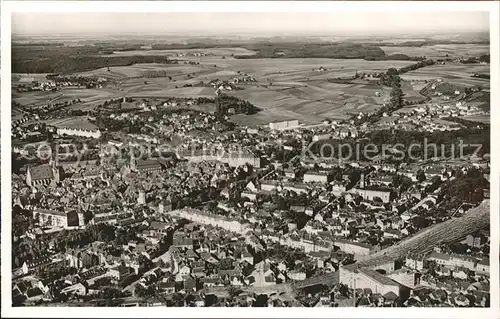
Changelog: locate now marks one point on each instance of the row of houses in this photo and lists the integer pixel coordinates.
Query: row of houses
(233, 159)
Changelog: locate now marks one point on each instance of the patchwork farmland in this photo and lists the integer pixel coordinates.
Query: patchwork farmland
(285, 88)
(439, 51)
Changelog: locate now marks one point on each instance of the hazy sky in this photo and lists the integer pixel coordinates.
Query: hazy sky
(272, 23)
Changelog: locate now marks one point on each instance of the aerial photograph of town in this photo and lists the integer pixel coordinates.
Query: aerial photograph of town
(250, 159)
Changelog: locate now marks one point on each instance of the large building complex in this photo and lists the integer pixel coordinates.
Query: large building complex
(42, 174)
(78, 127)
(284, 125)
(233, 159)
(56, 218)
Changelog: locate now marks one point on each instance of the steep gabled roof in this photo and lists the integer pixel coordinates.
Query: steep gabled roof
(41, 172)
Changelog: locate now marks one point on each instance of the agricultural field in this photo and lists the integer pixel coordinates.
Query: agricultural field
(65, 94)
(479, 118)
(445, 122)
(20, 78)
(291, 69)
(285, 88)
(76, 122)
(458, 74)
(440, 50)
(123, 85)
(209, 51)
(296, 91)
(412, 91)
(405, 109)
(16, 114)
(138, 70)
(312, 102)
(147, 92)
(276, 69)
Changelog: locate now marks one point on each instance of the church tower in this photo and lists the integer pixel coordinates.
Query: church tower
(56, 170)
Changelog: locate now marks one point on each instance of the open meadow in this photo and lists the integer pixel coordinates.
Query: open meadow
(439, 50)
(479, 118)
(66, 94)
(458, 74)
(283, 69)
(20, 78)
(139, 70)
(209, 51)
(285, 88)
(16, 114)
(75, 122)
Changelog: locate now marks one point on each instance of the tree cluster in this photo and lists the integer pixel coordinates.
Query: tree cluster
(155, 74)
(65, 64)
(225, 102)
(419, 65)
(313, 50)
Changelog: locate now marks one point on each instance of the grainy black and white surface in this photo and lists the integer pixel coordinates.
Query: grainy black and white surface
(252, 160)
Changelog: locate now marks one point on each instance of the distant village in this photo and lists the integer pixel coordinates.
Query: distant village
(54, 82)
